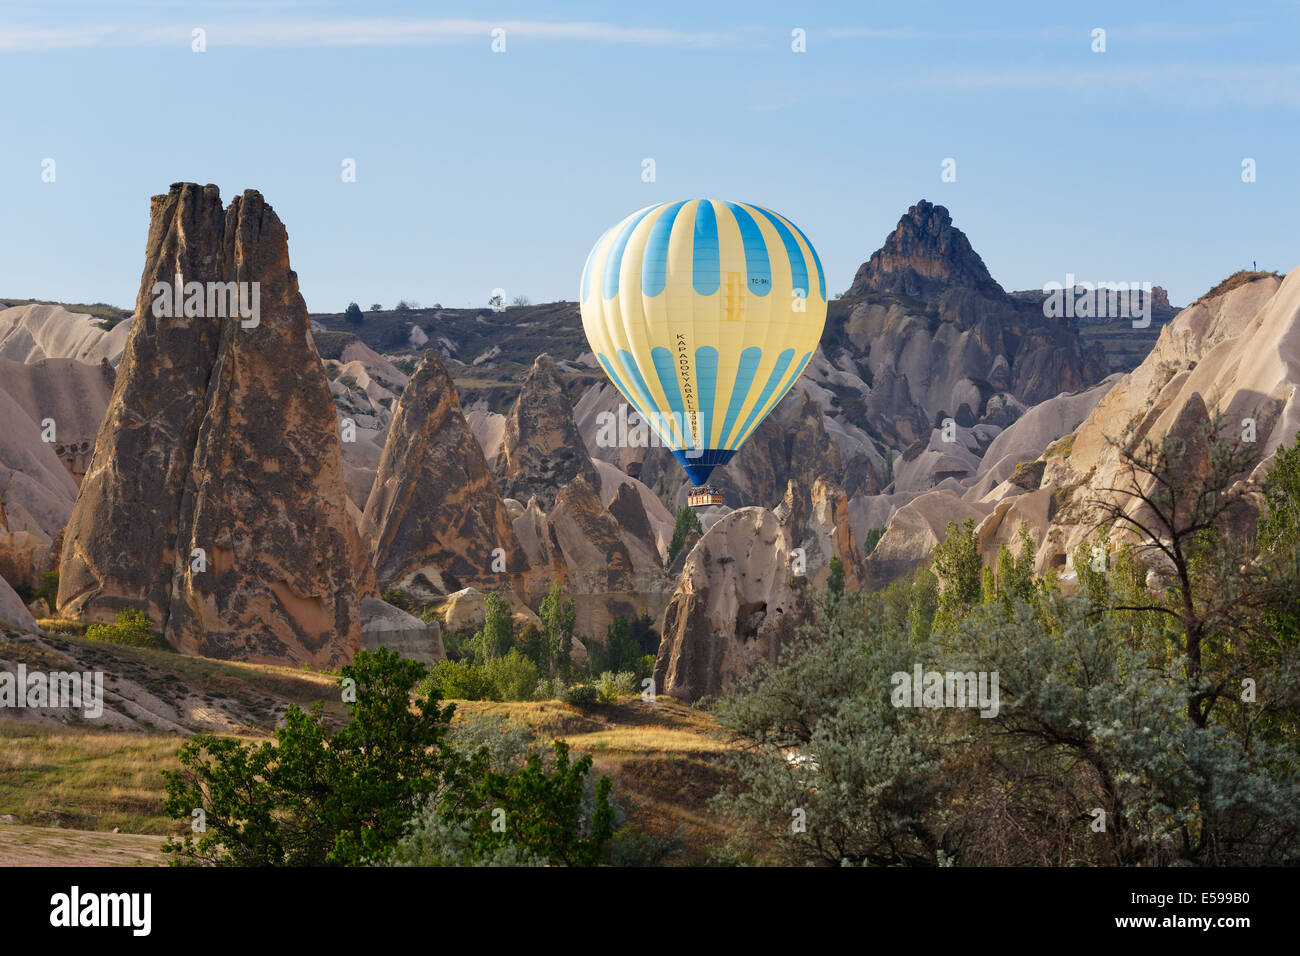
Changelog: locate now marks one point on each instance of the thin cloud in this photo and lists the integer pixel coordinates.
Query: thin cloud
(1146, 32)
(1194, 83)
(357, 32)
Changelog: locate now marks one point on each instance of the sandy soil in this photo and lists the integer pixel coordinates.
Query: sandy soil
(22, 845)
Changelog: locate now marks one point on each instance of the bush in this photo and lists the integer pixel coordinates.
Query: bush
(632, 846)
(133, 629)
(505, 743)
(398, 599)
(318, 797)
(457, 680)
(545, 812)
(552, 688)
(583, 695)
(353, 314)
(685, 522)
(611, 686)
(512, 677)
(626, 645)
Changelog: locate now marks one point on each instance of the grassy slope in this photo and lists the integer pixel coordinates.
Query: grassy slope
(666, 759)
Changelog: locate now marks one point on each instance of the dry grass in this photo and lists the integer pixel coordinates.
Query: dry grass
(39, 846)
(85, 779)
(666, 759)
(1239, 278)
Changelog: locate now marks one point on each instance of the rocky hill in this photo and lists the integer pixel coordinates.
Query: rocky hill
(1234, 353)
(446, 453)
(215, 501)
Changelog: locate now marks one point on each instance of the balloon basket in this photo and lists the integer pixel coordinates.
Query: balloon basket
(703, 497)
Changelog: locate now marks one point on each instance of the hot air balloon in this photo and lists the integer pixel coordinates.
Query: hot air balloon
(703, 313)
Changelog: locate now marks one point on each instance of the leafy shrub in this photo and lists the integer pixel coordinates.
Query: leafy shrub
(552, 688)
(133, 629)
(541, 813)
(398, 599)
(315, 796)
(685, 522)
(582, 695)
(457, 680)
(512, 677)
(632, 846)
(505, 743)
(611, 686)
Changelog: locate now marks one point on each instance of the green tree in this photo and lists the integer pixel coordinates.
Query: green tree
(1279, 525)
(1015, 575)
(543, 810)
(353, 315)
(686, 522)
(315, 796)
(499, 625)
(49, 590)
(559, 615)
(531, 815)
(959, 570)
(835, 579)
(620, 652)
(531, 643)
(828, 771)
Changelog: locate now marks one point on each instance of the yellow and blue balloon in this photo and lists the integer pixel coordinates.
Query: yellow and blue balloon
(703, 314)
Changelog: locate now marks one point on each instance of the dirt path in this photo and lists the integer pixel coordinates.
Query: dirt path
(22, 845)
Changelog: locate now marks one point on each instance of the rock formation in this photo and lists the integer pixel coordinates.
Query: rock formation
(61, 400)
(434, 515)
(215, 500)
(818, 524)
(267, 500)
(383, 625)
(942, 337)
(29, 333)
(1236, 355)
(542, 450)
(736, 605)
(119, 550)
(12, 612)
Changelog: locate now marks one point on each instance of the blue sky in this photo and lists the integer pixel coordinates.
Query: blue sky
(478, 170)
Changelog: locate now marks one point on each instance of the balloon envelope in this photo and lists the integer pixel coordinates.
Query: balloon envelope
(703, 313)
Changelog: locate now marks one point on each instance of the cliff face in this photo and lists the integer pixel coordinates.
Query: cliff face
(942, 338)
(734, 606)
(215, 499)
(434, 507)
(1236, 355)
(119, 550)
(542, 449)
(267, 499)
(925, 257)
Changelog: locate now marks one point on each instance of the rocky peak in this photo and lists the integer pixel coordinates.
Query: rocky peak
(434, 506)
(215, 499)
(924, 256)
(119, 549)
(542, 449)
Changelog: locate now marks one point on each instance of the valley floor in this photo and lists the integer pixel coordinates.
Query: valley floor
(70, 785)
